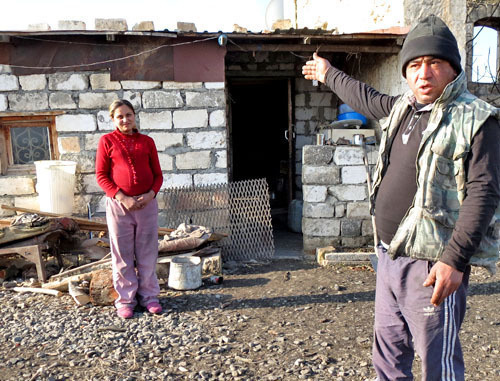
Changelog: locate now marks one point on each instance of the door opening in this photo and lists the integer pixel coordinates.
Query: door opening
(259, 132)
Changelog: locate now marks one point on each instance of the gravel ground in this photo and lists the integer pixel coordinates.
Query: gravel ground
(279, 320)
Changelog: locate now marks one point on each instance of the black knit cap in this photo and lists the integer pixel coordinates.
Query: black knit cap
(430, 37)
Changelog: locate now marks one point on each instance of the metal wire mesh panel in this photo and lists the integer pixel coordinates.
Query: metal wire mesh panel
(240, 209)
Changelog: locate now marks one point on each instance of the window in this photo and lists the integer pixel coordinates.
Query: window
(26, 139)
(484, 55)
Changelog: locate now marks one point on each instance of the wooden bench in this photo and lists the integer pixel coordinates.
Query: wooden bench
(33, 254)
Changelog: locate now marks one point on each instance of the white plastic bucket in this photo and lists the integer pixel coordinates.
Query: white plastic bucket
(55, 185)
(185, 273)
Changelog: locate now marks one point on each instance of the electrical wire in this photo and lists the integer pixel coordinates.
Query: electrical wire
(114, 59)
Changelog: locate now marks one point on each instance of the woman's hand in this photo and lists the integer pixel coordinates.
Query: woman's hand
(130, 203)
(145, 198)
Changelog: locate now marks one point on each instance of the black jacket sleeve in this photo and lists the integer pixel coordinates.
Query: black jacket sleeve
(482, 196)
(358, 95)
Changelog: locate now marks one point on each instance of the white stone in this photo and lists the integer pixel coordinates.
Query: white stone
(28, 101)
(133, 97)
(4, 104)
(318, 210)
(61, 101)
(300, 100)
(166, 161)
(320, 99)
(174, 180)
(303, 113)
(104, 121)
(8, 82)
(144, 26)
(346, 155)
(102, 81)
(171, 85)
(67, 81)
(206, 139)
(320, 175)
(358, 209)
(324, 227)
(114, 24)
(210, 178)
(221, 159)
(90, 184)
(205, 99)
(162, 99)
(140, 85)
(5, 69)
(96, 100)
(28, 202)
(193, 160)
(71, 25)
(218, 118)
(302, 141)
(75, 123)
(315, 193)
(33, 82)
(214, 85)
(348, 192)
(354, 174)
(161, 120)
(17, 185)
(39, 27)
(92, 140)
(165, 140)
(190, 118)
(68, 144)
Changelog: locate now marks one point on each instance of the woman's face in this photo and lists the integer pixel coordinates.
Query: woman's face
(124, 119)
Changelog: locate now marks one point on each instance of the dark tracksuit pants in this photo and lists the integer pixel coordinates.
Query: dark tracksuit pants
(405, 321)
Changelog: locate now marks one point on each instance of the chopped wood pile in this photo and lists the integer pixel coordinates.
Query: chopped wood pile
(65, 240)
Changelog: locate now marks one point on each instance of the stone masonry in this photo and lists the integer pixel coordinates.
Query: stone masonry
(336, 206)
(186, 120)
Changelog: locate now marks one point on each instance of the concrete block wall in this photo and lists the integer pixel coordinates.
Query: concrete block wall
(315, 107)
(186, 120)
(335, 194)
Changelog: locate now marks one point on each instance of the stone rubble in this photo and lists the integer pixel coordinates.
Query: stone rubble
(279, 320)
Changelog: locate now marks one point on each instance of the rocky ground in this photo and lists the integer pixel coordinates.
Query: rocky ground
(276, 320)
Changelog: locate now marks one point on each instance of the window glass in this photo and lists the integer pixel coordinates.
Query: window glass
(484, 54)
(29, 144)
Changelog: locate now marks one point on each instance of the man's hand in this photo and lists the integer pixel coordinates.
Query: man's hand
(446, 281)
(316, 69)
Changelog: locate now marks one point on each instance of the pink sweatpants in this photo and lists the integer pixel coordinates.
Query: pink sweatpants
(133, 237)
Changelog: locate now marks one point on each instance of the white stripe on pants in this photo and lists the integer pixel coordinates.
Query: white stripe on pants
(133, 237)
(406, 321)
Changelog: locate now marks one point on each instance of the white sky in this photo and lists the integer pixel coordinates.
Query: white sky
(210, 16)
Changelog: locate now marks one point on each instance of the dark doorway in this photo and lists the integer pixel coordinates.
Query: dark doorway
(259, 146)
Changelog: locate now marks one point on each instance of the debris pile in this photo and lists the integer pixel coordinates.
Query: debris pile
(57, 251)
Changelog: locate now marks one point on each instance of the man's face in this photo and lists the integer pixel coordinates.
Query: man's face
(427, 77)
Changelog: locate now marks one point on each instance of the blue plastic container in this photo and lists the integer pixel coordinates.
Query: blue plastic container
(352, 115)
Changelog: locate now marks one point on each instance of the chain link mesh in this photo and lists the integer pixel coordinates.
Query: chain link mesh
(240, 209)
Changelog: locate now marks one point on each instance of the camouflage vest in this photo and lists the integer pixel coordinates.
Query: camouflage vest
(428, 225)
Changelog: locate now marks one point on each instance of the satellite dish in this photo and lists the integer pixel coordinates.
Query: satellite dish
(274, 12)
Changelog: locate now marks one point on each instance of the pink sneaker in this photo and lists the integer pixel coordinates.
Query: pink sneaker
(154, 307)
(125, 312)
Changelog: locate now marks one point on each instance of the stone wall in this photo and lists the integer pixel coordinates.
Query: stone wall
(336, 204)
(186, 120)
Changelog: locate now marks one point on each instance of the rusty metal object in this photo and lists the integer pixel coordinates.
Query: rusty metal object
(239, 209)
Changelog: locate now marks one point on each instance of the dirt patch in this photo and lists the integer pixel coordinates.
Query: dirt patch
(278, 320)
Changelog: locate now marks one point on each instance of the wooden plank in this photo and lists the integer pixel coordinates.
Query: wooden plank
(313, 47)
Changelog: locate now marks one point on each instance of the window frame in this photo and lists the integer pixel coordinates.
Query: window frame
(8, 121)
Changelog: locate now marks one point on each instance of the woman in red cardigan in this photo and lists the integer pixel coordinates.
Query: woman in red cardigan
(128, 170)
